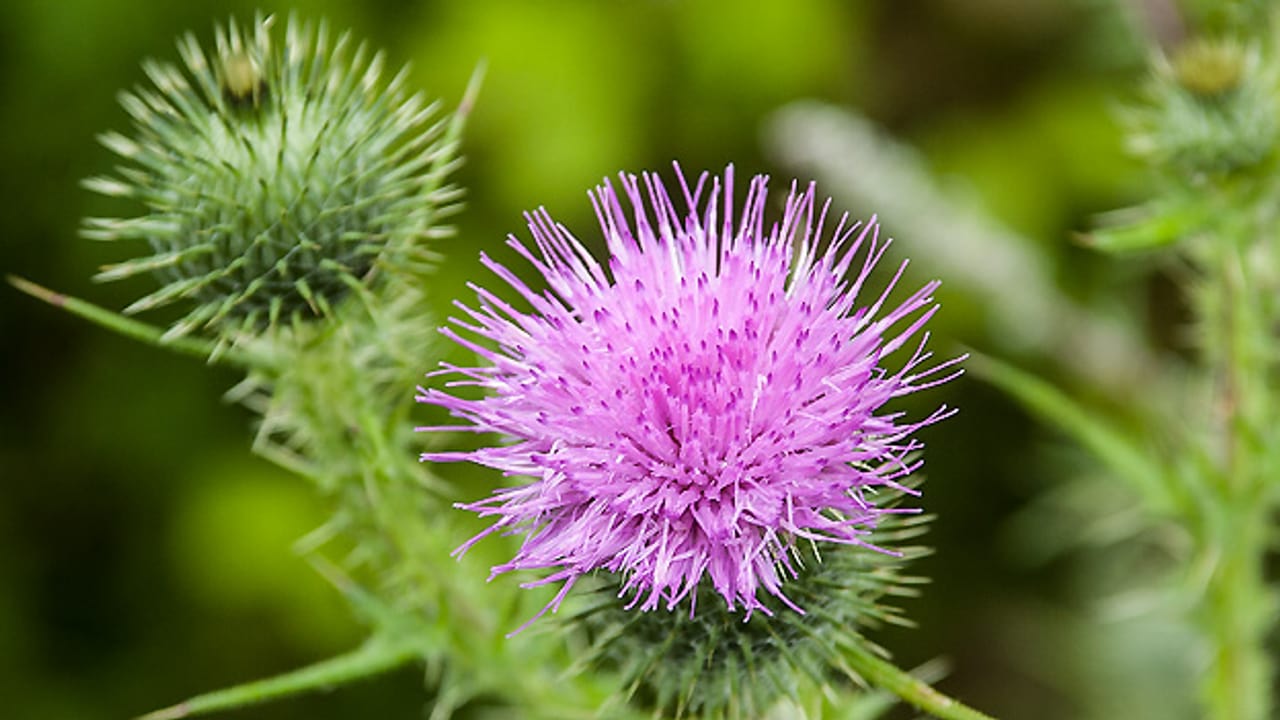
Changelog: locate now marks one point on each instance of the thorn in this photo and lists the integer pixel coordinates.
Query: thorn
(37, 291)
(473, 88)
(173, 712)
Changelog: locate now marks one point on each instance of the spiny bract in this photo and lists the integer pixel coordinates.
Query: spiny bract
(715, 665)
(695, 411)
(274, 176)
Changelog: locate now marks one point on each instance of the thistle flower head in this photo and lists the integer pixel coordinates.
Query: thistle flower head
(274, 176)
(697, 408)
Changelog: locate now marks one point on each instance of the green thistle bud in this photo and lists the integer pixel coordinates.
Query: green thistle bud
(712, 663)
(1209, 69)
(1212, 110)
(275, 178)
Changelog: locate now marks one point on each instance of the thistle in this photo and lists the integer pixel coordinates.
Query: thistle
(277, 180)
(274, 177)
(1212, 111)
(701, 409)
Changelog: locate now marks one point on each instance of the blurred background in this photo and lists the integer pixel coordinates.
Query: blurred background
(145, 554)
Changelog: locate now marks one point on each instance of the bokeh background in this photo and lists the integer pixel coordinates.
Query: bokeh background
(145, 554)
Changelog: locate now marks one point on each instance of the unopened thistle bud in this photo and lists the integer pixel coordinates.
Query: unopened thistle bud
(1209, 69)
(274, 177)
(1212, 110)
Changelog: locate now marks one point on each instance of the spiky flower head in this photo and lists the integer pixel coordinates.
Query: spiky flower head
(274, 176)
(703, 404)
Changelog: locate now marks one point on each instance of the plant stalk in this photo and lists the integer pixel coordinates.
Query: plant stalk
(1238, 611)
(881, 673)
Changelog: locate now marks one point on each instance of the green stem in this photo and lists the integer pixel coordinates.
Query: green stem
(1236, 619)
(128, 327)
(883, 674)
(376, 656)
(1238, 615)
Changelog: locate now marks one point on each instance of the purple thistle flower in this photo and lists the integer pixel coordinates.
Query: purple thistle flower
(701, 404)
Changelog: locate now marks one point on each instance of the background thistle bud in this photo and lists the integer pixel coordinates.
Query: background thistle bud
(274, 176)
(1211, 110)
(1208, 68)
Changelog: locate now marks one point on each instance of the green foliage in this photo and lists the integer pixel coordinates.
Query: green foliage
(1208, 129)
(330, 390)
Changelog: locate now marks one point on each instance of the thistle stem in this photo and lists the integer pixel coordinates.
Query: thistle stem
(376, 656)
(129, 327)
(1238, 684)
(1238, 610)
(883, 674)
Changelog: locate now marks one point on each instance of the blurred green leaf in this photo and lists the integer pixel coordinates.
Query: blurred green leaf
(1144, 228)
(1109, 444)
